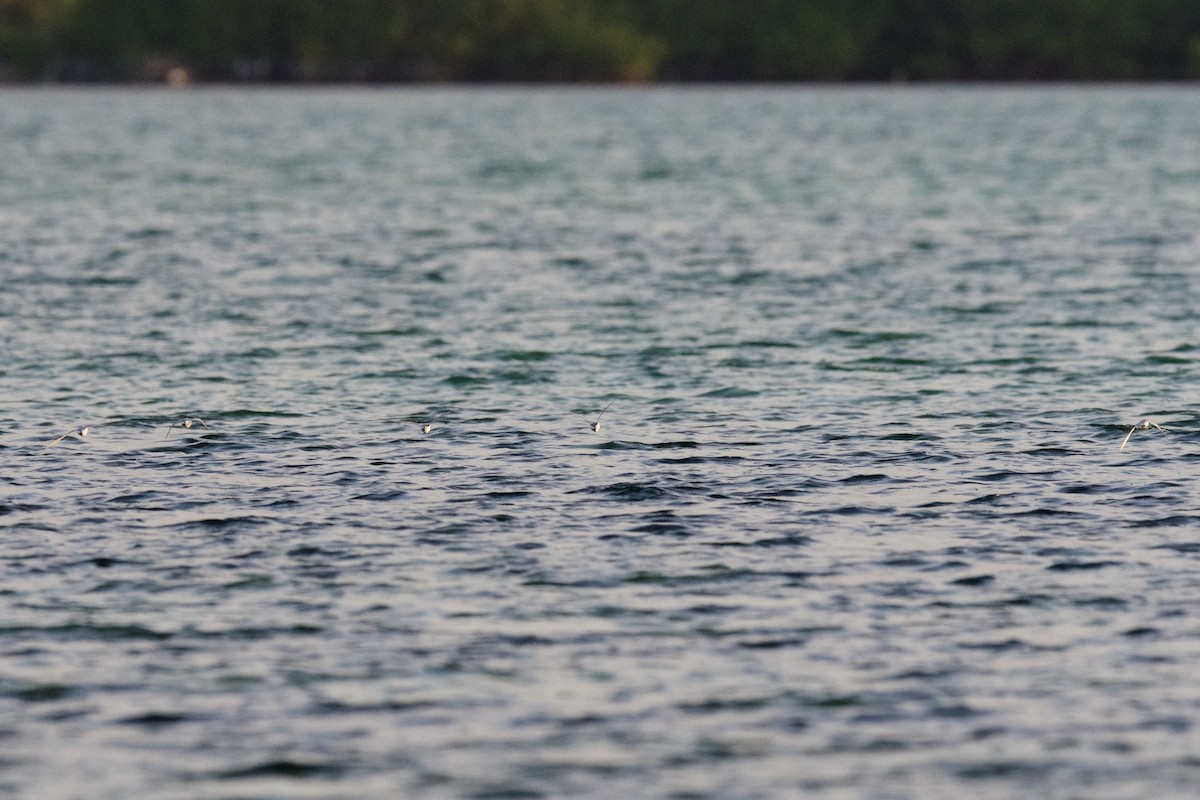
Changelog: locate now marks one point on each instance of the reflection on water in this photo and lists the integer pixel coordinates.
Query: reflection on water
(857, 523)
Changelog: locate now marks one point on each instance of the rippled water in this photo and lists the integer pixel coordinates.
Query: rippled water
(857, 524)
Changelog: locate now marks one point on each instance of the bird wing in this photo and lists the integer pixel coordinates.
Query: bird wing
(1131, 430)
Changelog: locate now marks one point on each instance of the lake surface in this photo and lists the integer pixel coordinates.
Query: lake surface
(858, 523)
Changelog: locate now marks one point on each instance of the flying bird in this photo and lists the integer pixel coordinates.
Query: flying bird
(595, 426)
(82, 431)
(1142, 425)
(187, 423)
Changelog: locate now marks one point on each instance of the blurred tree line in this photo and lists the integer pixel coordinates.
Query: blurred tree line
(599, 40)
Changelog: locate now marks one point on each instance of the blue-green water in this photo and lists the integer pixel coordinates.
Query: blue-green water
(858, 523)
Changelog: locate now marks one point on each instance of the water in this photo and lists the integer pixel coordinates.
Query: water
(857, 524)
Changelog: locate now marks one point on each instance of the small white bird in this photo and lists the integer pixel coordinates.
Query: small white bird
(82, 431)
(427, 425)
(187, 423)
(1143, 425)
(595, 426)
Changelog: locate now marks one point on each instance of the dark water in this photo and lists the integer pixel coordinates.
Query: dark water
(857, 524)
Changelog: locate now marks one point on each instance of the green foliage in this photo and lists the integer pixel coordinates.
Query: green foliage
(28, 29)
(1034, 39)
(752, 39)
(601, 40)
(528, 40)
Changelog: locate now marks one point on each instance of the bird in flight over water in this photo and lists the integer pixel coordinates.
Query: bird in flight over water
(187, 423)
(595, 426)
(1143, 425)
(82, 431)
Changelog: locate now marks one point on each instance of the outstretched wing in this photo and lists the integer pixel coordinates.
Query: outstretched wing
(1131, 430)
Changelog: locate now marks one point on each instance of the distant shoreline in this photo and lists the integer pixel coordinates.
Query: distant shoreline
(403, 42)
(586, 85)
